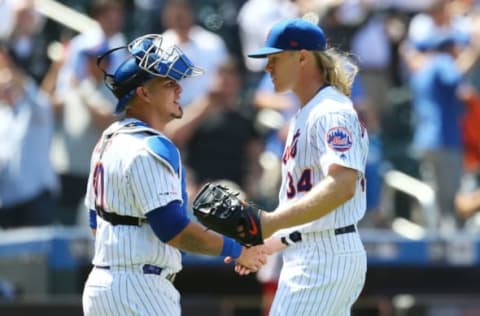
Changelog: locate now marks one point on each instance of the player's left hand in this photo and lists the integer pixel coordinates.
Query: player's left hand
(219, 209)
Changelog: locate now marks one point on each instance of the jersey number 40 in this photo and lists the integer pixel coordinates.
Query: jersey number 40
(98, 189)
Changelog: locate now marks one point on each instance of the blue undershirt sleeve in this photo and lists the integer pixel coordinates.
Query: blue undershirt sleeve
(167, 221)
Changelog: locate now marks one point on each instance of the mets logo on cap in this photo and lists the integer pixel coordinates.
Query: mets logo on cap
(339, 139)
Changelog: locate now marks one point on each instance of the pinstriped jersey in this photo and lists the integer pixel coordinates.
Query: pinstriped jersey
(132, 182)
(325, 131)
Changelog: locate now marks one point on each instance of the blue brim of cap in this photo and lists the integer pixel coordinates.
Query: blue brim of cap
(264, 52)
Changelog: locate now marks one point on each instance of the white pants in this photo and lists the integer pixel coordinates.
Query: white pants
(321, 275)
(108, 293)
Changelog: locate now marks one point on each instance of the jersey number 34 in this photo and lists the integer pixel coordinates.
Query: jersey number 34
(304, 184)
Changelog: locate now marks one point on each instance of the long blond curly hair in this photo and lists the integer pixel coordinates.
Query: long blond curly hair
(338, 69)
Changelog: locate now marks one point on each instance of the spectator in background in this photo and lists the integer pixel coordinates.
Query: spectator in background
(467, 203)
(470, 94)
(87, 111)
(274, 113)
(437, 68)
(27, 179)
(109, 14)
(374, 215)
(467, 198)
(219, 141)
(471, 131)
(26, 42)
(255, 19)
(206, 49)
(7, 16)
(144, 18)
(374, 64)
(8, 291)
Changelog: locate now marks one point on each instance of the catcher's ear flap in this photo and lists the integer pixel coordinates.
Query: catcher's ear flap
(113, 86)
(108, 52)
(109, 78)
(109, 81)
(127, 77)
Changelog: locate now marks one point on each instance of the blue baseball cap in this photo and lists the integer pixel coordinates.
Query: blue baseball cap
(128, 76)
(292, 34)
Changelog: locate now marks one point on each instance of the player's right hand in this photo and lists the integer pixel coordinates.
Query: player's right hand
(270, 246)
(252, 258)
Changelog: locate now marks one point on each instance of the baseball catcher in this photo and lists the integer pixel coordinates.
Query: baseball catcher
(221, 210)
(140, 222)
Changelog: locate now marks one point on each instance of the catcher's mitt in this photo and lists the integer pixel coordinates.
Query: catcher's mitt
(222, 211)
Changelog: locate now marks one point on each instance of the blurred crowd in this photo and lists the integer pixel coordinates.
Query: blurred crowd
(418, 93)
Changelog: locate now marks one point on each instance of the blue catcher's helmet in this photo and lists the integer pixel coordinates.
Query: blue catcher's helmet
(150, 57)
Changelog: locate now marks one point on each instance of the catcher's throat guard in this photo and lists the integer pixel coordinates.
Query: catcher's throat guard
(217, 208)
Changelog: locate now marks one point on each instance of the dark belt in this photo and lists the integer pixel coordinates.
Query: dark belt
(116, 219)
(296, 236)
(345, 230)
(147, 269)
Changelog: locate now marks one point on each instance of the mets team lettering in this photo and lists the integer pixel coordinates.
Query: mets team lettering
(291, 151)
(339, 139)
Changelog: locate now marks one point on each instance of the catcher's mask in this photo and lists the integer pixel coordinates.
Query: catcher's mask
(150, 58)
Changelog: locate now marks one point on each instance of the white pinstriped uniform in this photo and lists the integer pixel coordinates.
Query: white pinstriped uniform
(324, 273)
(135, 182)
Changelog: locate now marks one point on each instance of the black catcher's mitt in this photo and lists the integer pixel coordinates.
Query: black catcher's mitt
(222, 211)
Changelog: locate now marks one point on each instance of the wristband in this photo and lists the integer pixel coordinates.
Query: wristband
(231, 248)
